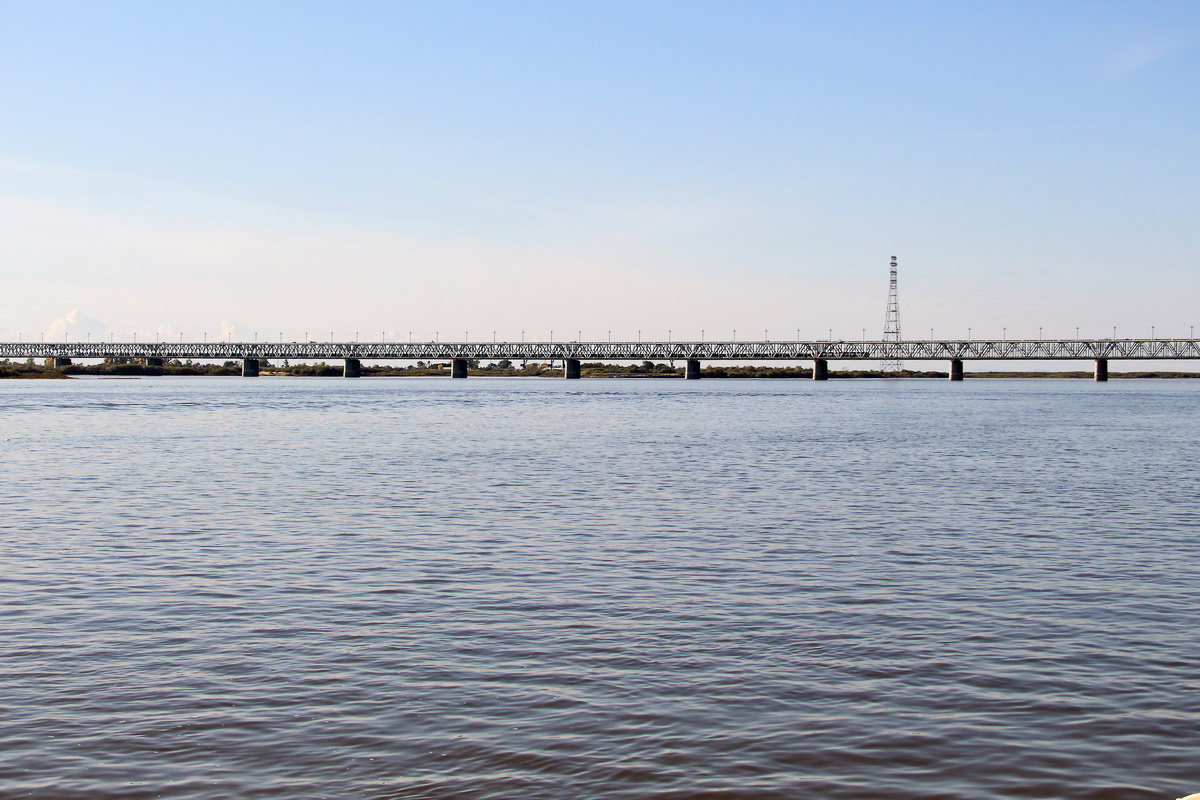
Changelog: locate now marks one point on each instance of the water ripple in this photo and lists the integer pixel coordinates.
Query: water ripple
(515, 588)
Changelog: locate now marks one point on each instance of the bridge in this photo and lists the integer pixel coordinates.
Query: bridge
(571, 354)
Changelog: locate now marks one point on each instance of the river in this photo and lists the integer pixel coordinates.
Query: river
(523, 588)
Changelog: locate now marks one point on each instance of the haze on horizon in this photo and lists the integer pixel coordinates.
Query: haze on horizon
(378, 168)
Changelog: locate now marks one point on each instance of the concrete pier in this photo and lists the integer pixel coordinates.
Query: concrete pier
(956, 372)
(691, 372)
(571, 368)
(249, 367)
(59, 363)
(352, 368)
(154, 363)
(820, 369)
(458, 368)
(1101, 369)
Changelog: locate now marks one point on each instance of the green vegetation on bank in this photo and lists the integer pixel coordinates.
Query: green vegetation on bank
(27, 369)
(506, 368)
(1083, 375)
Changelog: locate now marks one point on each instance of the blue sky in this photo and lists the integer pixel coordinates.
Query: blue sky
(291, 168)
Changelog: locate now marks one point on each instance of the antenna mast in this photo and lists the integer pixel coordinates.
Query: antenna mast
(891, 323)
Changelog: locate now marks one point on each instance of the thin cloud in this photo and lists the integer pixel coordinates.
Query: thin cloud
(1141, 54)
(41, 170)
(971, 135)
(234, 332)
(75, 325)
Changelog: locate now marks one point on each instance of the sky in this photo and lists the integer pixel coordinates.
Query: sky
(685, 169)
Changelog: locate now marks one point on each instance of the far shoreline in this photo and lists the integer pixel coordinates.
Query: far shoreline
(596, 370)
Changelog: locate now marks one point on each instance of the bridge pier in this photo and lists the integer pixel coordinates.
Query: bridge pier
(956, 370)
(352, 368)
(820, 369)
(458, 368)
(691, 371)
(154, 363)
(1101, 369)
(571, 368)
(249, 367)
(60, 362)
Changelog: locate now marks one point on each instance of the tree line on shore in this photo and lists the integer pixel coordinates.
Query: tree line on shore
(502, 368)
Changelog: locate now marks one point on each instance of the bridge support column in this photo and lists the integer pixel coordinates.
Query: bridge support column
(458, 368)
(571, 368)
(352, 368)
(820, 369)
(60, 362)
(249, 367)
(154, 363)
(1101, 369)
(691, 371)
(956, 372)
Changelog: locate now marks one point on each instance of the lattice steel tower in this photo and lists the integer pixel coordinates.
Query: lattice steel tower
(891, 323)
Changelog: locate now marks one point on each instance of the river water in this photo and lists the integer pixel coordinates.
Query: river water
(523, 588)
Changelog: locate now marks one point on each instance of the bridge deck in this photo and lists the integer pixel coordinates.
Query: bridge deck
(913, 350)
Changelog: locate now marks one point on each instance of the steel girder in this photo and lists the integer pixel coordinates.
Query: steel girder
(912, 350)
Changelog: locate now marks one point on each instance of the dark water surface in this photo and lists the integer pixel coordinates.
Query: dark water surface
(302, 588)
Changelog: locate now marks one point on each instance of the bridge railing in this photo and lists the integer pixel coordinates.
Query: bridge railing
(909, 350)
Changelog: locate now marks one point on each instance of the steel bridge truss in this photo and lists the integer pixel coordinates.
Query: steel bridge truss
(973, 349)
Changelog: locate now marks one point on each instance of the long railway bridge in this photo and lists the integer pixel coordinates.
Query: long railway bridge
(571, 354)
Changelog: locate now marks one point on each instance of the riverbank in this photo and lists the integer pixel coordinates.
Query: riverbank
(587, 370)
